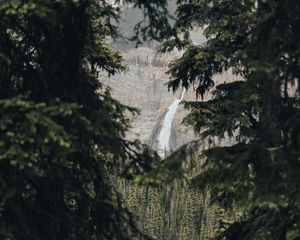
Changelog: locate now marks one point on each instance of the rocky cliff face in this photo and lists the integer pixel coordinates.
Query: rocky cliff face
(143, 86)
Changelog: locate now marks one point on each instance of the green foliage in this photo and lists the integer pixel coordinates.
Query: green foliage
(52, 183)
(172, 211)
(62, 135)
(233, 107)
(259, 173)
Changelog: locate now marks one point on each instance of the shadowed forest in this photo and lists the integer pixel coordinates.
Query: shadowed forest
(149, 119)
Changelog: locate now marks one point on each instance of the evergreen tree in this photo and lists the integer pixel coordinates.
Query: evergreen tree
(259, 174)
(61, 134)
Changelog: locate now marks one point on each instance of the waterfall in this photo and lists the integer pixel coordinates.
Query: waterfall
(165, 132)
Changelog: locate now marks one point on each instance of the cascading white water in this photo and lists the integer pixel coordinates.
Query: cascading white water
(165, 132)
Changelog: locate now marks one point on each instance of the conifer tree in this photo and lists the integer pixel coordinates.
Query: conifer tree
(61, 134)
(259, 173)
